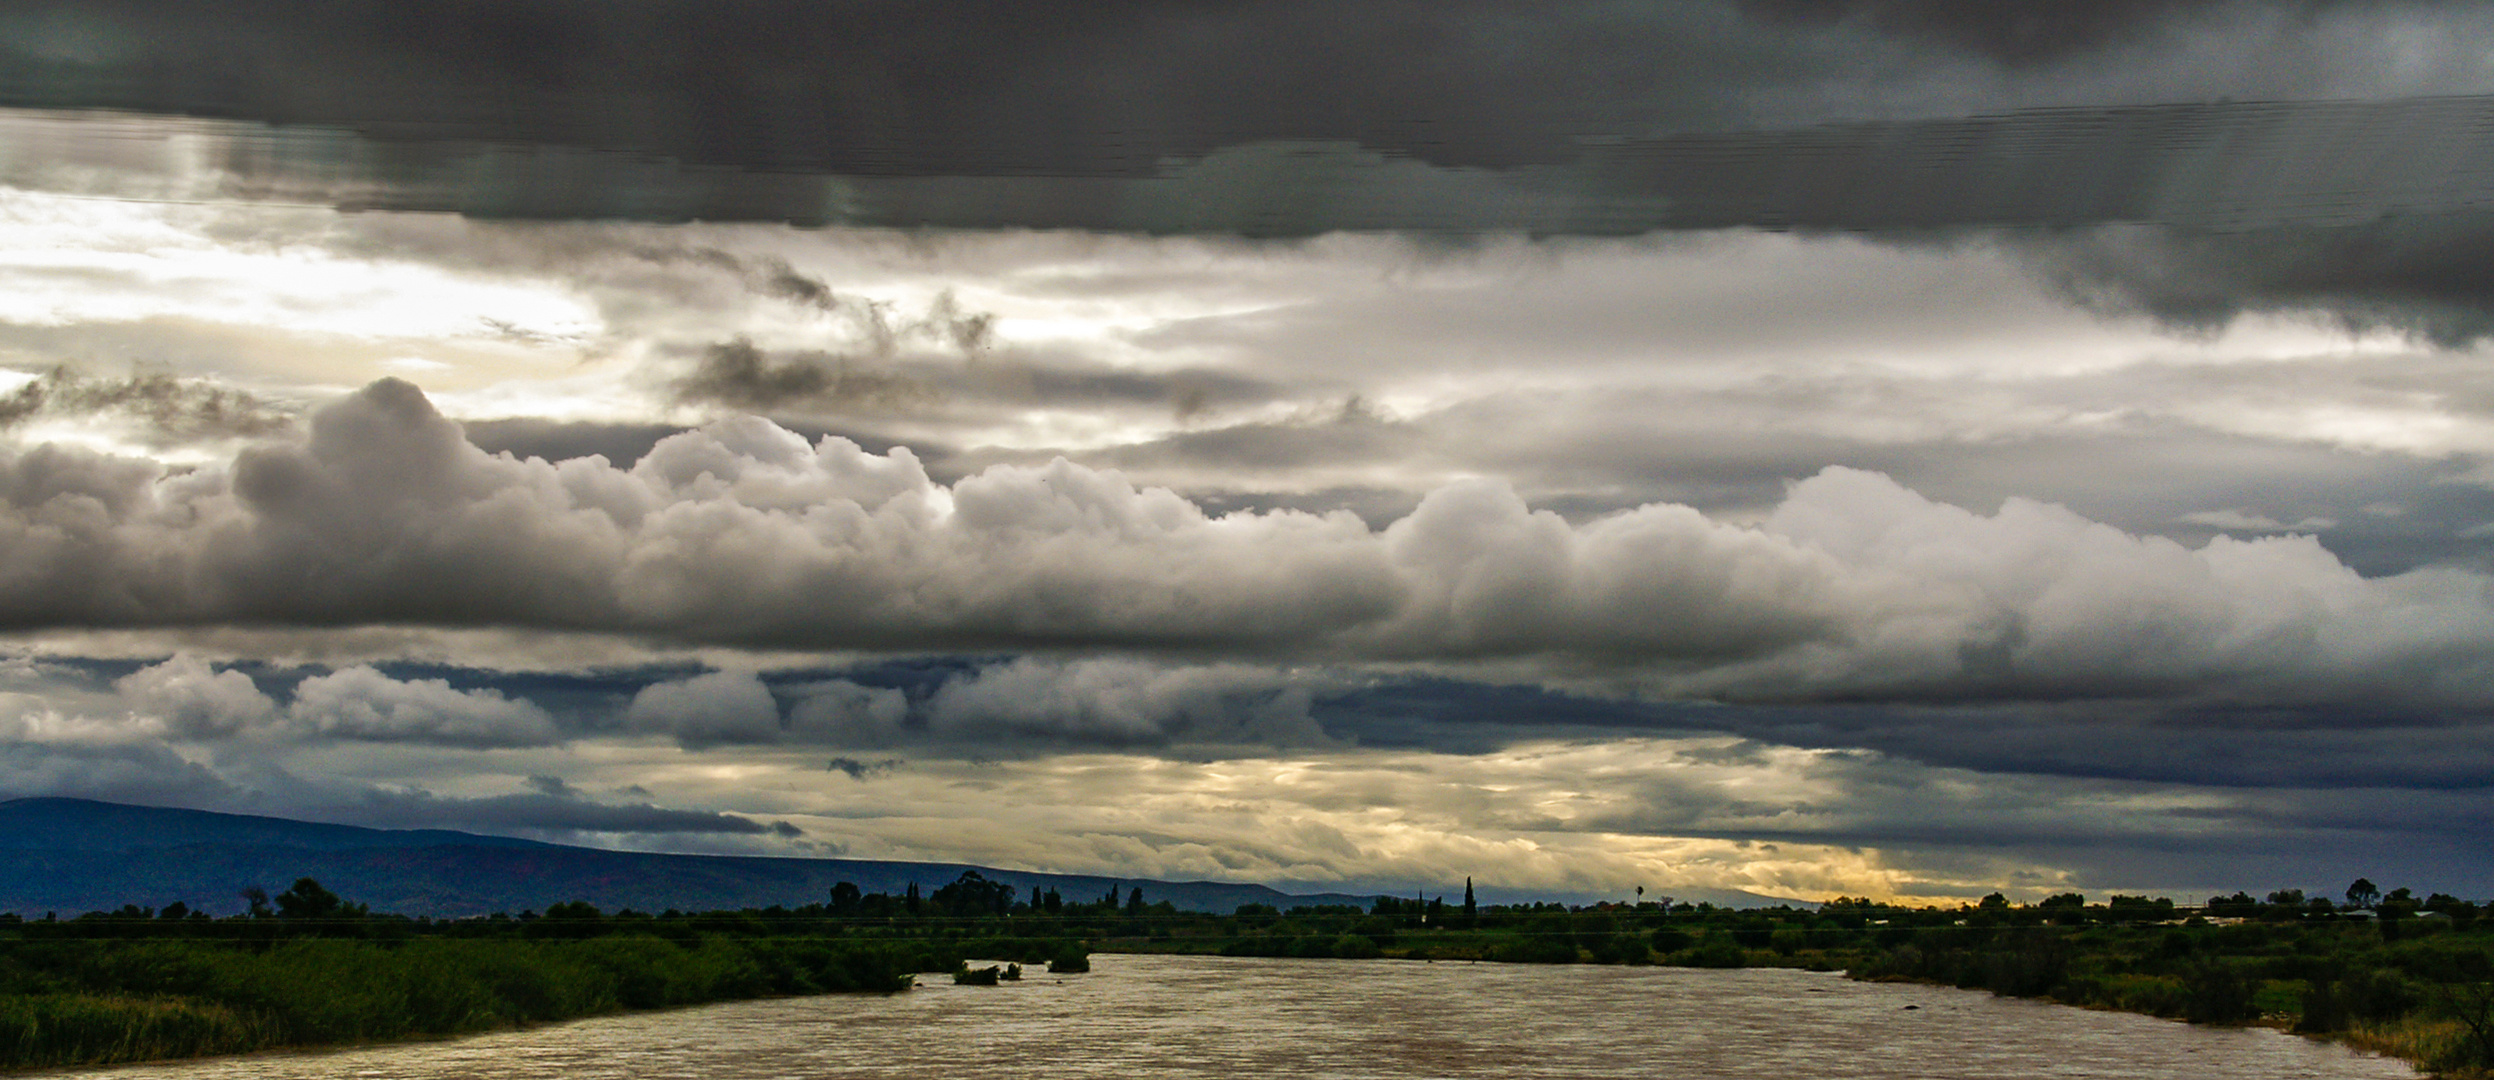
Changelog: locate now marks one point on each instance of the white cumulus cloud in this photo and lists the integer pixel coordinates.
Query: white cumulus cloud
(743, 534)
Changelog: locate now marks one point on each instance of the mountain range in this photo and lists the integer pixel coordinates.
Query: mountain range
(76, 855)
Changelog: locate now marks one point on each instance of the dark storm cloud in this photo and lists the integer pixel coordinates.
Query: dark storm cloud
(956, 88)
(2195, 744)
(863, 770)
(860, 377)
(2193, 213)
(996, 87)
(2015, 34)
(737, 374)
(168, 408)
(1899, 118)
(2428, 275)
(758, 100)
(765, 275)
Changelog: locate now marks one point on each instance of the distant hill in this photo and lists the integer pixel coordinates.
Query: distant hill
(77, 855)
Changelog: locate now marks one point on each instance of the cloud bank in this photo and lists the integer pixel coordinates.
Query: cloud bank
(741, 533)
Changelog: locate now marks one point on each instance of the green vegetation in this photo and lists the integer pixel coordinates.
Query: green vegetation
(312, 969)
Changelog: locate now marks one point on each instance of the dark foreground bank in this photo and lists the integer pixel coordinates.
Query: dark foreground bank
(139, 985)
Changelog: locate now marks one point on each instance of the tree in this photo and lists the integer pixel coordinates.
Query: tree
(2362, 894)
(845, 897)
(1134, 901)
(2215, 993)
(972, 894)
(2239, 905)
(1470, 909)
(307, 900)
(2139, 908)
(2397, 904)
(2451, 906)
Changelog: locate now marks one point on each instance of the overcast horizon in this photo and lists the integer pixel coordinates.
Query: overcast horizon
(1904, 448)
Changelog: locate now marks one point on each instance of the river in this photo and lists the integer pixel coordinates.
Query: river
(1198, 1016)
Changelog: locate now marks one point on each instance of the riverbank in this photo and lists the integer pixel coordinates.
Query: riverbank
(2427, 1044)
(315, 971)
(2417, 1042)
(2421, 990)
(95, 1003)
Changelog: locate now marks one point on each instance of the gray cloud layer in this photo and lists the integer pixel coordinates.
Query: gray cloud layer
(969, 87)
(741, 533)
(1257, 117)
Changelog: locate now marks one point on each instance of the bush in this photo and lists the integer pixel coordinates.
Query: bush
(63, 1029)
(2215, 993)
(1716, 953)
(2322, 1012)
(1621, 948)
(1536, 949)
(1356, 947)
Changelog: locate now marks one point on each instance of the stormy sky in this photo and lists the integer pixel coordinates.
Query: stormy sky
(1904, 447)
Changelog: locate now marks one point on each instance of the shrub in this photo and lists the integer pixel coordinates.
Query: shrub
(1356, 947)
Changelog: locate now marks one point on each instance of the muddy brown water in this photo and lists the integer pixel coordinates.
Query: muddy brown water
(1199, 1016)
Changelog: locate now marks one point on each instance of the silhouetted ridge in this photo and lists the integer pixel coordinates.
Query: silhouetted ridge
(90, 825)
(75, 855)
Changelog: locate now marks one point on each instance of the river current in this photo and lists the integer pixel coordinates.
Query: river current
(1196, 1016)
